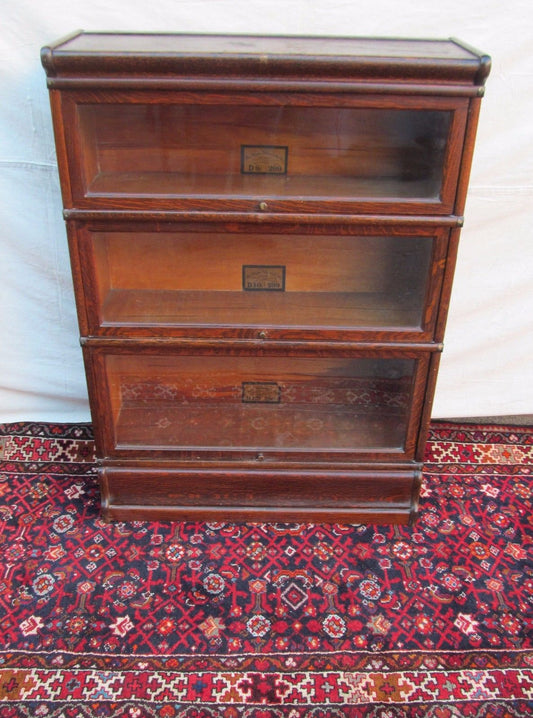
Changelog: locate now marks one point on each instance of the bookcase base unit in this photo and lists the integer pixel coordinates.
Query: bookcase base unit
(359, 494)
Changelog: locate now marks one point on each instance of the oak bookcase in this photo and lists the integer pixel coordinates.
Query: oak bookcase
(263, 233)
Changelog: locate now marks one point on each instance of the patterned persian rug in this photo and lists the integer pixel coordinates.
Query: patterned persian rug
(215, 620)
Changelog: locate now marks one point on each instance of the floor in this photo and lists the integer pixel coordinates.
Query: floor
(520, 420)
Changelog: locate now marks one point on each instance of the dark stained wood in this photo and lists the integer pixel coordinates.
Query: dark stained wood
(240, 221)
(425, 408)
(263, 233)
(258, 495)
(144, 56)
(468, 151)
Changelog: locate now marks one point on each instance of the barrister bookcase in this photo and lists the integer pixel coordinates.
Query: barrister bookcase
(263, 233)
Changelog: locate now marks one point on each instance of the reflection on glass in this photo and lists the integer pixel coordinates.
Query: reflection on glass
(258, 402)
(268, 152)
(214, 278)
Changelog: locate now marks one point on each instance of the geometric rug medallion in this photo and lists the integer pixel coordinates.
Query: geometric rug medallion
(225, 620)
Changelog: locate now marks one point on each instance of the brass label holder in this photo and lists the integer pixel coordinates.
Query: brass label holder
(263, 277)
(261, 392)
(264, 159)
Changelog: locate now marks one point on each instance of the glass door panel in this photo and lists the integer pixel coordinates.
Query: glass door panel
(259, 403)
(268, 152)
(230, 279)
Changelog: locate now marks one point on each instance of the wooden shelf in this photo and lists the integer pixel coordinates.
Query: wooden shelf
(347, 310)
(239, 187)
(244, 427)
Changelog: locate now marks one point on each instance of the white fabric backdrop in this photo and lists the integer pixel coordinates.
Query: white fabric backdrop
(486, 367)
